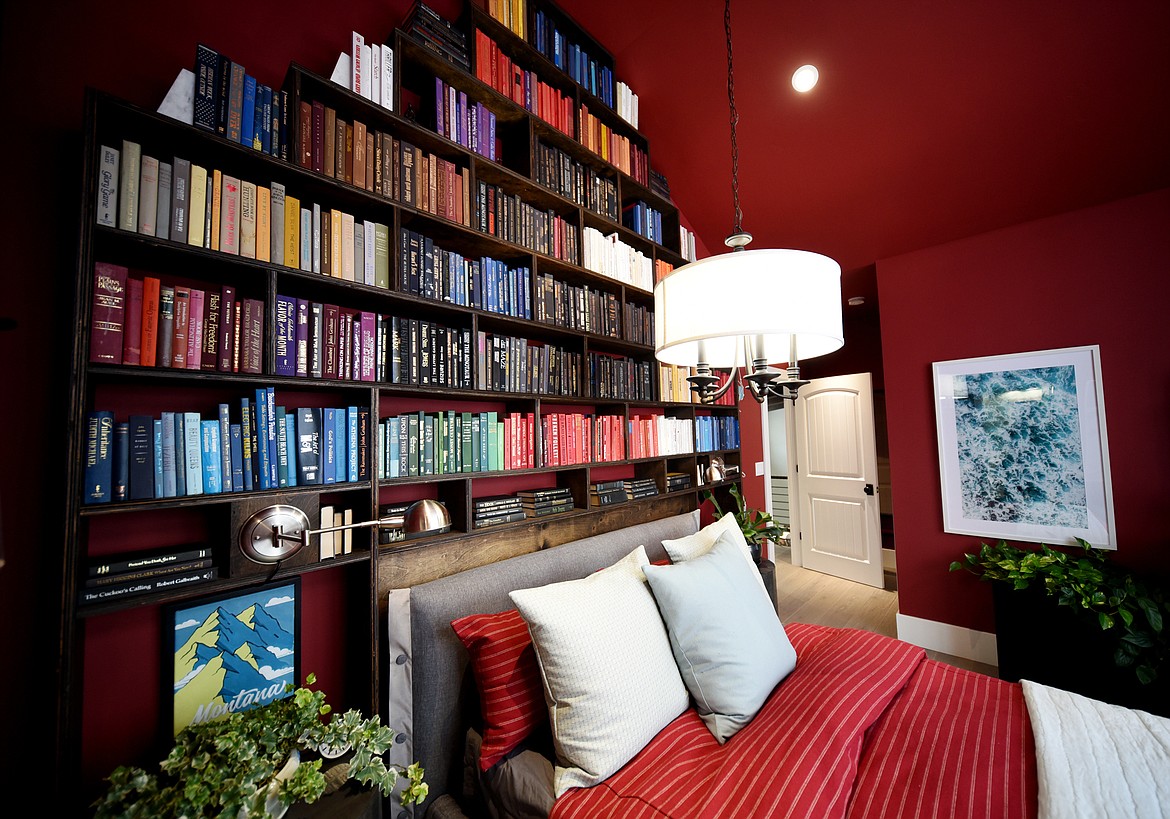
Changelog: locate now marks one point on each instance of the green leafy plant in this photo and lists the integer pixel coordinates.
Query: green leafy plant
(757, 526)
(239, 766)
(1126, 608)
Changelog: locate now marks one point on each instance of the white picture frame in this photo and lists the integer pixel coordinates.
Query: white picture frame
(1023, 449)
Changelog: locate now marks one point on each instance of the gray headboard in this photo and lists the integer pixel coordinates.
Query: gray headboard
(428, 680)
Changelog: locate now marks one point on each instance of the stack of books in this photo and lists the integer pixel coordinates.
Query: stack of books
(658, 183)
(128, 575)
(437, 34)
(541, 502)
(607, 493)
(677, 481)
(392, 514)
(640, 488)
(495, 509)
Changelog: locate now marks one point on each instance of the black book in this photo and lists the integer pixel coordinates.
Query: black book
(146, 573)
(496, 502)
(604, 486)
(544, 504)
(133, 588)
(309, 446)
(545, 494)
(553, 509)
(141, 457)
(608, 498)
(137, 561)
(494, 520)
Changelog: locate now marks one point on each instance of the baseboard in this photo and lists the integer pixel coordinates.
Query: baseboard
(889, 561)
(954, 640)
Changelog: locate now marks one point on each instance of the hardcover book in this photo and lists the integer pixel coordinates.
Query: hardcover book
(163, 203)
(197, 207)
(247, 219)
(276, 242)
(147, 195)
(193, 452)
(180, 185)
(132, 329)
(99, 457)
(165, 582)
(227, 324)
(146, 561)
(309, 446)
(121, 461)
(179, 422)
(229, 225)
(212, 318)
(263, 223)
(235, 99)
(285, 336)
(108, 314)
(131, 166)
(169, 455)
(195, 330)
(180, 326)
(147, 573)
(212, 458)
(206, 65)
(107, 194)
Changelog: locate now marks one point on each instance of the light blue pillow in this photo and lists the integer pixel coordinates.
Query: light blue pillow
(730, 646)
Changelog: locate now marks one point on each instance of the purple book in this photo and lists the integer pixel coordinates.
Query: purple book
(108, 315)
(286, 355)
(368, 329)
(440, 107)
(302, 338)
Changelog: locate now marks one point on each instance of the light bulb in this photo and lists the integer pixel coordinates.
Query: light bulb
(805, 77)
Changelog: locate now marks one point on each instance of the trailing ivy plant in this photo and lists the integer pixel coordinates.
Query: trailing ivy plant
(229, 766)
(756, 525)
(1130, 610)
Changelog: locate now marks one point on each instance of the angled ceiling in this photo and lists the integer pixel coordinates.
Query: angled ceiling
(933, 119)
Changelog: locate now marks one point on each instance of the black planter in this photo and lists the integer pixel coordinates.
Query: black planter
(1041, 641)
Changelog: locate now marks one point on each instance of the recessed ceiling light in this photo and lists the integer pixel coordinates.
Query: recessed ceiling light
(856, 301)
(805, 77)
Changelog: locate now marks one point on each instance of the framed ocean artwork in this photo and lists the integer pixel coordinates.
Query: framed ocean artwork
(230, 652)
(1022, 447)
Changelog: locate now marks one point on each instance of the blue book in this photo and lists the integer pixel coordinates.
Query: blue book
(248, 437)
(257, 140)
(281, 449)
(236, 437)
(248, 110)
(341, 436)
(290, 436)
(329, 445)
(286, 336)
(180, 456)
(351, 448)
(270, 420)
(260, 406)
(99, 461)
(169, 456)
(225, 455)
(392, 448)
(141, 458)
(266, 130)
(309, 446)
(212, 457)
(193, 452)
(158, 459)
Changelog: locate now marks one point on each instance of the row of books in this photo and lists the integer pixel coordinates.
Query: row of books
(574, 180)
(610, 256)
(438, 34)
(466, 122)
(578, 438)
(673, 385)
(523, 87)
(335, 544)
(637, 488)
(513, 364)
(136, 573)
(627, 104)
(678, 481)
(508, 217)
(452, 441)
(659, 184)
(234, 104)
(182, 454)
(145, 321)
(591, 74)
(620, 377)
(644, 220)
(185, 202)
(485, 283)
(378, 162)
(512, 14)
(638, 323)
(492, 510)
(578, 307)
(713, 432)
(616, 149)
(654, 435)
(371, 71)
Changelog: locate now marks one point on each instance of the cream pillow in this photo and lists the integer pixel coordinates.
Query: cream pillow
(609, 673)
(685, 548)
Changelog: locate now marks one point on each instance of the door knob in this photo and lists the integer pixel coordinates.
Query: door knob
(869, 489)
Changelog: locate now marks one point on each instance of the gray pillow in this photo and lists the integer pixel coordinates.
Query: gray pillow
(728, 642)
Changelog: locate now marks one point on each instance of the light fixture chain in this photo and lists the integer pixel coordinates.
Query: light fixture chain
(734, 120)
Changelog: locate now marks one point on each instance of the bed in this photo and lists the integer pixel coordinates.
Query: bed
(843, 723)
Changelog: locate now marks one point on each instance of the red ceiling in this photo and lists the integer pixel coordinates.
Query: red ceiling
(933, 119)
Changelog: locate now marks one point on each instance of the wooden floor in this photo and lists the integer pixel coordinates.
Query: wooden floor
(805, 596)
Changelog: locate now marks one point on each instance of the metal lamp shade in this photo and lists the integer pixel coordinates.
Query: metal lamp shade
(703, 310)
(426, 517)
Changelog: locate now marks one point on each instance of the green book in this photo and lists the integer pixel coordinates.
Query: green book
(465, 437)
(426, 425)
(477, 441)
(493, 442)
(412, 445)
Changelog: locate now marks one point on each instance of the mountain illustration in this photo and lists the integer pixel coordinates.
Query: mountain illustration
(231, 662)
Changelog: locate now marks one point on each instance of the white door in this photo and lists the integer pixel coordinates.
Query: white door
(836, 479)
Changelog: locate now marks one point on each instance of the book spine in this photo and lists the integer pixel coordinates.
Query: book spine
(286, 362)
(169, 455)
(211, 456)
(108, 314)
(309, 446)
(161, 583)
(206, 64)
(121, 461)
(225, 447)
(263, 456)
(147, 562)
(107, 193)
(142, 574)
(99, 457)
(228, 308)
(132, 330)
(162, 221)
(193, 452)
(141, 477)
(128, 179)
(147, 195)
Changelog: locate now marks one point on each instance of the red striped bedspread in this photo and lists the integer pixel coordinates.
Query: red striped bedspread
(865, 727)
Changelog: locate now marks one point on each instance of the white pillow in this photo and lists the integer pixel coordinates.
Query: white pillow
(728, 642)
(686, 548)
(609, 673)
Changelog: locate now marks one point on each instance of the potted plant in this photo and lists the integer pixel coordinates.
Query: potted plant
(258, 762)
(757, 526)
(1103, 603)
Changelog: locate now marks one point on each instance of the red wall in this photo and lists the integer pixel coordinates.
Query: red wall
(1093, 276)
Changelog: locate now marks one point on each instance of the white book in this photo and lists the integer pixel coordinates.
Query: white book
(356, 59)
(248, 219)
(326, 538)
(375, 73)
(367, 58)
(147, 195)
(193, 452)
(276, 244)
(359, 251)
(368, 252)
(347, 260)
(387, 77)
(306, 239)
(128, 185)
(347, 535)
(316, 238)
(162, 219)
(107, 195)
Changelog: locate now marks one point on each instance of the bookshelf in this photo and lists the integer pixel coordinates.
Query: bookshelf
(576, 328)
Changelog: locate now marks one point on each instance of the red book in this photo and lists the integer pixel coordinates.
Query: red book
(181, 327)
(252, 343)
(150, 288)
(132, 333)
(317, 152)
(108, 314)
(305, 120)
(228, 360)
(195, 331)
(237, 332)
(213, 315)
(331, 347)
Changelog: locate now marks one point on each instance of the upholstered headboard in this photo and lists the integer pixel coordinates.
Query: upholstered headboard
(429, 686)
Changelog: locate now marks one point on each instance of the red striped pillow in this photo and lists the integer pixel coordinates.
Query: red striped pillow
(511, 693)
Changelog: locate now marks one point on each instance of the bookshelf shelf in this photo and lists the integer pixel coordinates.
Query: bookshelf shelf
(345, 591)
